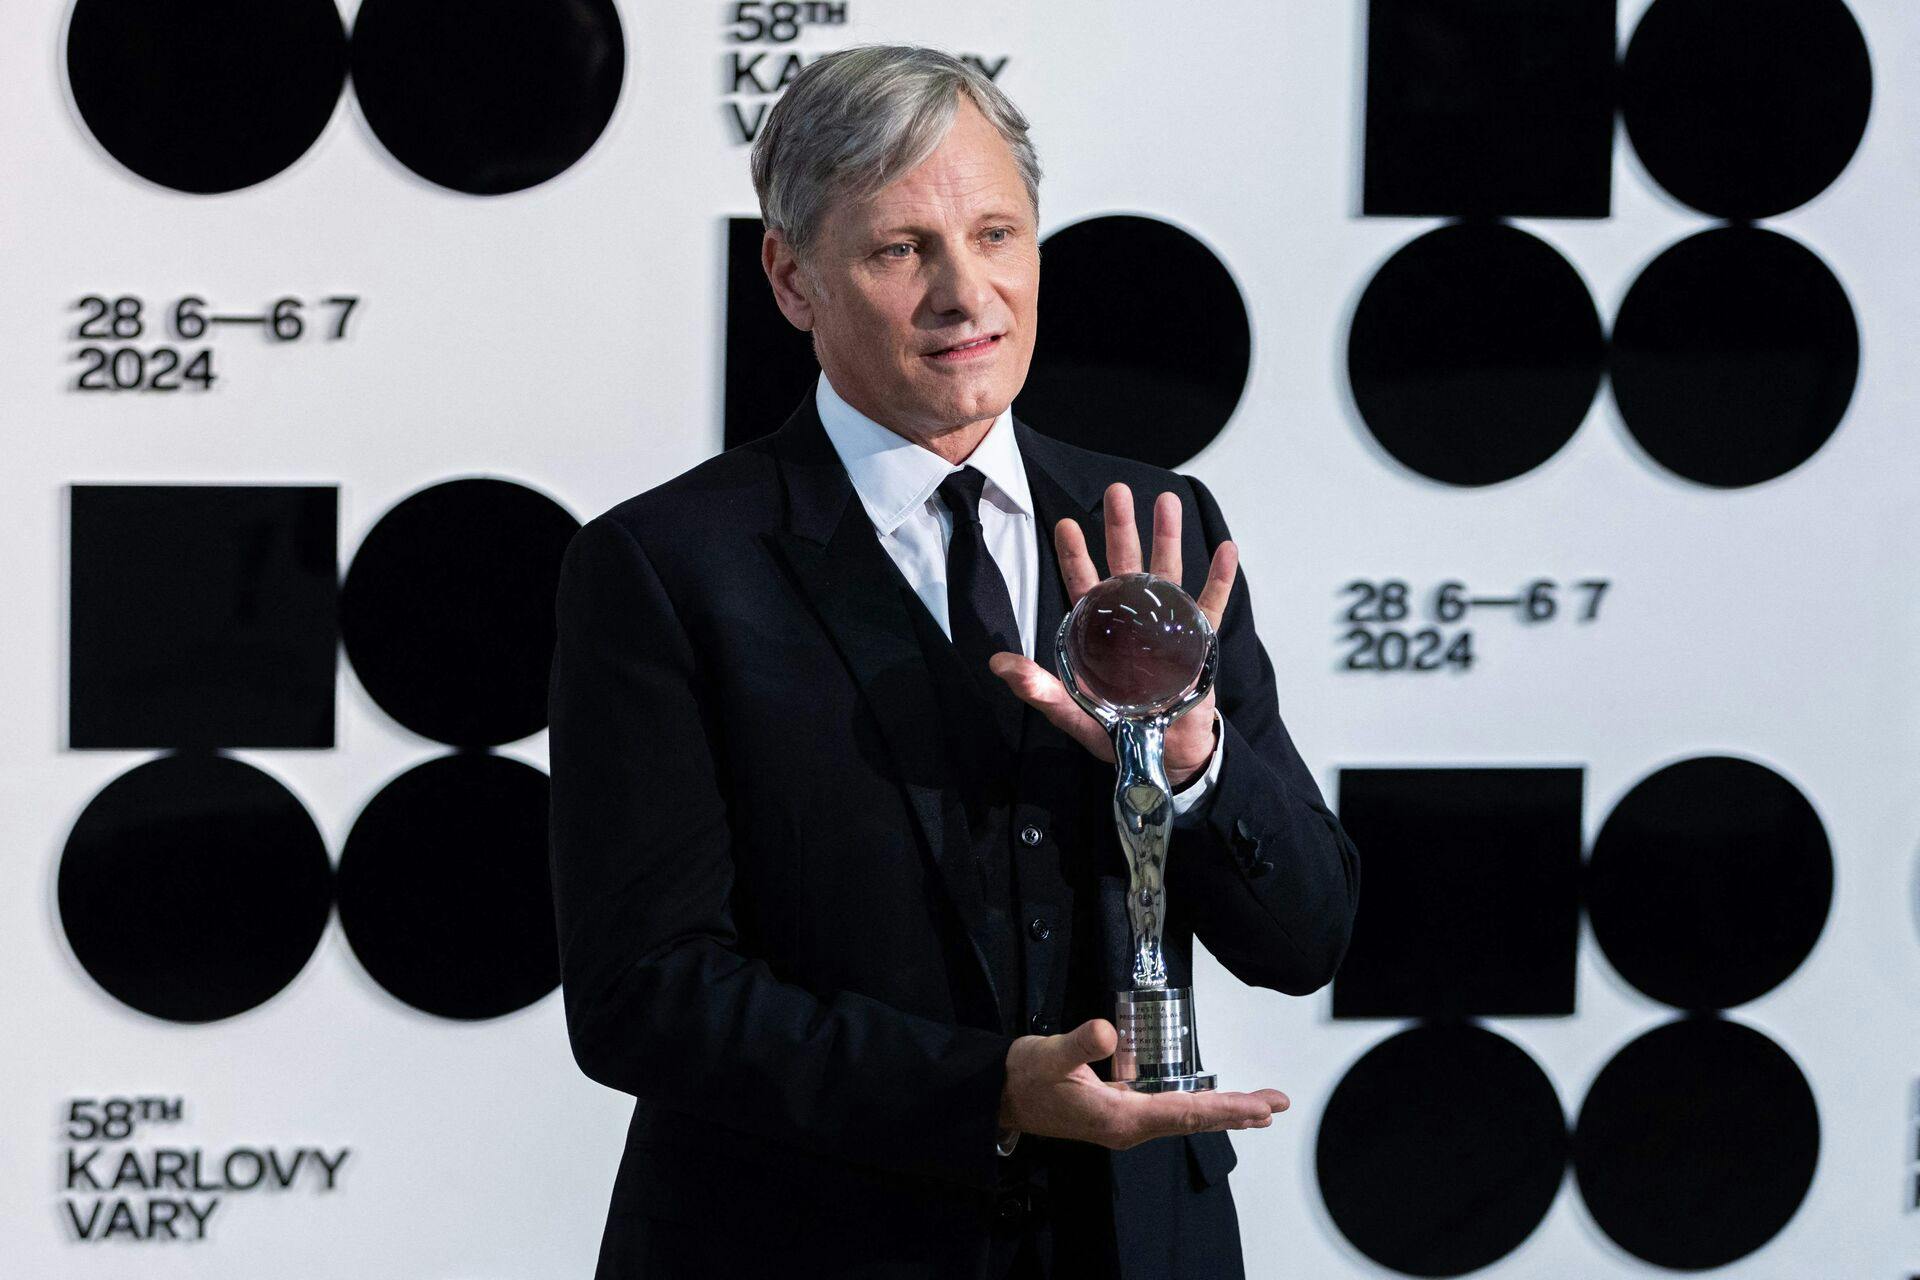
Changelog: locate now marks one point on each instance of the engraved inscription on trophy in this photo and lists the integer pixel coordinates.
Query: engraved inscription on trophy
(1136, 653)
(1157, 1040)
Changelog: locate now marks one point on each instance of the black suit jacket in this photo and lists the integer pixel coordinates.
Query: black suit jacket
(769, 927)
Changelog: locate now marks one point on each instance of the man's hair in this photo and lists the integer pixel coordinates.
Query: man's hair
(856, 120)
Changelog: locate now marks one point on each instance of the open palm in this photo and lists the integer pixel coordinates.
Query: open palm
(1189, 740)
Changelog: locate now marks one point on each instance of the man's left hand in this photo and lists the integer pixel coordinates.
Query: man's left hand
(1189, 741)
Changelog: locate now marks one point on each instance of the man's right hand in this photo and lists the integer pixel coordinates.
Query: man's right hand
(1051, 1091)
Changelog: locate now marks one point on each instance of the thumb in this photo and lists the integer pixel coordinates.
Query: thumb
(1091, 1041)
(1035, 685)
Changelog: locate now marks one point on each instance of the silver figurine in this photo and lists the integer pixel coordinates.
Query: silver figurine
(1136, 654)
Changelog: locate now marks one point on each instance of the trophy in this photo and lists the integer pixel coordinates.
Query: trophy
(1136, 653)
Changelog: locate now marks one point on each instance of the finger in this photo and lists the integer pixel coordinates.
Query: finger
(1235, 1105)
(1161, 1115)
(1166, 1113)
(1123, 535)
(1039, 688)
(1077, 570)
(1276, 1103)
(1091, 1041)
(1219, 588)
(1166, 537)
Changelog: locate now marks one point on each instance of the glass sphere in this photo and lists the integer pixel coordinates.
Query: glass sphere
(1137, 644)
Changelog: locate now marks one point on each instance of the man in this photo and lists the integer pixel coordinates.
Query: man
(834, 857)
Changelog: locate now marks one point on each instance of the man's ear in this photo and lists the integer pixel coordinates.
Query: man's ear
(791, 288)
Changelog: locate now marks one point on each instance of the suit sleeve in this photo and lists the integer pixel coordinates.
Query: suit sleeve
(660, 1001)
(1270, 879)
(1190, 801)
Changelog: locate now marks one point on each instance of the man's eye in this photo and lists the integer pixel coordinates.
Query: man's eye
(889, 250)
(1000, 234)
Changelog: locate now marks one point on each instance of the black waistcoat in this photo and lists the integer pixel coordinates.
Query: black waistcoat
(987, 765)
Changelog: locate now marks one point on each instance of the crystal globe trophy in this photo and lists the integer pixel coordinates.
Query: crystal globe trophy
(1136, 653)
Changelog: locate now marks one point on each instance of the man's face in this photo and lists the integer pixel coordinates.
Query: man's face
(900, 287)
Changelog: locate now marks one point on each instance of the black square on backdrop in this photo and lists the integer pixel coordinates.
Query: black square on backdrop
(770, 364)
(202, 615)
(1489, 108)
(1471, 903)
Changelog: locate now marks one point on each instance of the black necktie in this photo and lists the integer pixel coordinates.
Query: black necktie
(981, 623)
(979, 607)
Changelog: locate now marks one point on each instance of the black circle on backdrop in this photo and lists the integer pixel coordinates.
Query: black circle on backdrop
(1734, 356)
(1441, 1150)
(1696, 1144)
(1144, 346)
(1475, 353)
(447, 611)
(1709, 882)
(443, 887)
(1746, 108)
(488, 96)
(206, 95)
(194, 887)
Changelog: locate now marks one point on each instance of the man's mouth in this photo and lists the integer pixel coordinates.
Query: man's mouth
(971, 349)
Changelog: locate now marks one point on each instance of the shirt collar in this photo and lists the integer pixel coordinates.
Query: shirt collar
(893, 475)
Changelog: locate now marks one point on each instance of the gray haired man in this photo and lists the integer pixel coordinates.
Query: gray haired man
(833, 854)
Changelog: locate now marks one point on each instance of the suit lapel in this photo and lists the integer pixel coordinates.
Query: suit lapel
(866, 607)
(1060, 492)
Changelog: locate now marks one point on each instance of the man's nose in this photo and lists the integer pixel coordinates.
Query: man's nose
(961, 284)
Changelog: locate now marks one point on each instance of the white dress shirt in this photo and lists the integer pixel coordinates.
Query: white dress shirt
(897, 481)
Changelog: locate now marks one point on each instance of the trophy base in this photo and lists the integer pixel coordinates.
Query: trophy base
(1169, 1084)
(1158, 1051)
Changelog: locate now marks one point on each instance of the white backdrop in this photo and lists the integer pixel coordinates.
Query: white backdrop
(570, 337)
